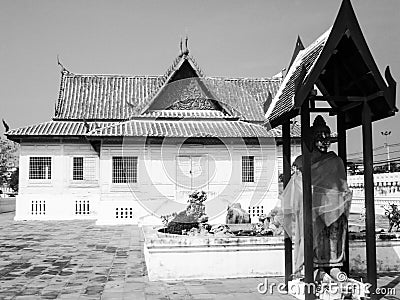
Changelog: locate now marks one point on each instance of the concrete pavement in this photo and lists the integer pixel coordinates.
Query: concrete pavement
(79, 260)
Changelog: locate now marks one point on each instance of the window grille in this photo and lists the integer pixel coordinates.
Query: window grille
(84, 168)
(247, 168)
(77, 172)
(124, 169)
(38, 207)
(82, 207)
(40, 168)
(124, 213)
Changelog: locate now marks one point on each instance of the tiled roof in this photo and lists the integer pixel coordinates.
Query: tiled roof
(295, 130)
(57, 128)
(117, 97)
(185, 128)
(243, 96)
(283, 101)
(105, 97)
(143, 127)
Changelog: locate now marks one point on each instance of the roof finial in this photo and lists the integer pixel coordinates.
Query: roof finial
(6, 127)
(186, 52)
(180, 48)
(63, 69)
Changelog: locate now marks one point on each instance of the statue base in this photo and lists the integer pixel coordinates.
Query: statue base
(332, 290)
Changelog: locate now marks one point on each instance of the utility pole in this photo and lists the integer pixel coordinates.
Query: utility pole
(386, 135)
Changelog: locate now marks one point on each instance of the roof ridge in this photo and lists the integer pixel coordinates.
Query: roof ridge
(322, 38)
(112, 75)
(244, 78)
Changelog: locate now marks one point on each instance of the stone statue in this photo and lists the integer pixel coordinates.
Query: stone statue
(237, 215)
(331, 200)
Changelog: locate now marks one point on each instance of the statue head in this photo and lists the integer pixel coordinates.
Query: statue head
(321, 134)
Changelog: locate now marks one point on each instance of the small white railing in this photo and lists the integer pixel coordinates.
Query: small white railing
(38, 207)
(82, 207)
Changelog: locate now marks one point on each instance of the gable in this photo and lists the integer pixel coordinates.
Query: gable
(183, 94)
(183, 90)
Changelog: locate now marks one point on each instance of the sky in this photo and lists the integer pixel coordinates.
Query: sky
(226, 37)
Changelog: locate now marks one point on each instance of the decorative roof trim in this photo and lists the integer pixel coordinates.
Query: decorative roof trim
(184, 128)
(176, 65)
(295, 64)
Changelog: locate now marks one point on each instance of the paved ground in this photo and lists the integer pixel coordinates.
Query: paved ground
(78, 260)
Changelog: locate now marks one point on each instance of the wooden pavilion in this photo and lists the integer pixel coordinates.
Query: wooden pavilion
(341, 66)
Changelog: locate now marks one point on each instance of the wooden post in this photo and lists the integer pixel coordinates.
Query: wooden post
(307, 201)
(286, 177)
(369, 198)
(342, 153)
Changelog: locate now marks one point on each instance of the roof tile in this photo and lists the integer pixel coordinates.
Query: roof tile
(118, 97)
(283, 101)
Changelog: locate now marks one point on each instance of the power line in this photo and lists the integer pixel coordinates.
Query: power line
(375, 149)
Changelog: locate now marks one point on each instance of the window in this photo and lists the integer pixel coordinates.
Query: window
(40, 168)
(124, 169)
(247, 168)
(83, 168)
(77, 172)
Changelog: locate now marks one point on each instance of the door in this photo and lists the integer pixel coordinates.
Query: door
(191, 175)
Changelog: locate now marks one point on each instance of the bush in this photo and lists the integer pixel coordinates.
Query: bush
(14, 180)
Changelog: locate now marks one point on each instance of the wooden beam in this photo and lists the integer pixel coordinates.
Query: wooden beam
(307, 202)
(286, 177)
(342, 153)
(349, 106)
(356, 81)
(375, 95)
(340, 98)
(323, 110)
(298, 83)
(369, 198)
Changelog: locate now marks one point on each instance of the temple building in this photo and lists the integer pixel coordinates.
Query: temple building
(129, 149)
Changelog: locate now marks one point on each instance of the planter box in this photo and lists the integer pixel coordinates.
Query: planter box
(177, 257)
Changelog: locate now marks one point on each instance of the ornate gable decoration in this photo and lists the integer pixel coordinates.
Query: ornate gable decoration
(193, 104)
(184, 89)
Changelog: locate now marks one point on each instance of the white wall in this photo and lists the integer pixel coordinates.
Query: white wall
(156, 193)
(156, 190)
(59, 193)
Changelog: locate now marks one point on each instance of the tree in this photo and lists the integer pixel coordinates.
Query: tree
(14, 180)
(8, 158)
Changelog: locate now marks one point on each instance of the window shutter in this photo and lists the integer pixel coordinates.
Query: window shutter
(90, 168)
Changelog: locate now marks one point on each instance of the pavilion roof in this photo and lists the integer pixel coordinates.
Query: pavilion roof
(340, 64)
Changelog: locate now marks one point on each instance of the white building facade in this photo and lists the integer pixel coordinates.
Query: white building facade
(129, 149)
